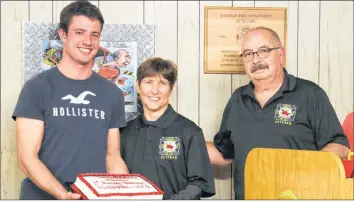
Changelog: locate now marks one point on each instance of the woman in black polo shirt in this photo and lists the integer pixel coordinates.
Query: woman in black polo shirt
(162, 145)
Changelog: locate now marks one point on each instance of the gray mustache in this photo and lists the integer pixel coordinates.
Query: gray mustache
(259, 66)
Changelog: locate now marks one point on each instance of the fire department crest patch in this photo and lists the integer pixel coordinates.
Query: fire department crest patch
(285, 114)
(169, 147)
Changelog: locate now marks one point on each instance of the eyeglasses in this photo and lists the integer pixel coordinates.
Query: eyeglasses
(261, 53)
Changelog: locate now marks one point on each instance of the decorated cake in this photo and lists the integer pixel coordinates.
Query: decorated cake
(115, 186)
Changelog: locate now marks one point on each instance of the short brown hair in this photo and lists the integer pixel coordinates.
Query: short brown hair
(78, 8)
(158, 66)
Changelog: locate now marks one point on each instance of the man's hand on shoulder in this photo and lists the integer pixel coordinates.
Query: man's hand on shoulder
(215, 157)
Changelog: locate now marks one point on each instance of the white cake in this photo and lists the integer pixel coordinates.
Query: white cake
(114, 186)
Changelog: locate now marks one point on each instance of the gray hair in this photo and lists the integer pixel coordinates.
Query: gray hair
(117, 53)
(276, 38)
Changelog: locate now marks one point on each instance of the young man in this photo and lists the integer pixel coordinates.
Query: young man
(161, 144)
(68, 117)
(275, 110)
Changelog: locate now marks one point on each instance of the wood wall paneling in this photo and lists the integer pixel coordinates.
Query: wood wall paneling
(41, 11)
(122, 12)
(292, 35)
(336, 54)
(215, 91)
(96, 3)
(57, 7)
(12, 16)
(308, 40)
(188, 59)
(164, 15)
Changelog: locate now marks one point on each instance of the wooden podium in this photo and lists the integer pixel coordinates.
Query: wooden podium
(295, 174)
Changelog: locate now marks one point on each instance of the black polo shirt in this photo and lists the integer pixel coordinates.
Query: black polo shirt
(299, 116)
(171, 152)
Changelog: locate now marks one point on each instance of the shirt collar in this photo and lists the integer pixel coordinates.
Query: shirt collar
(288, 84)
(162, 122)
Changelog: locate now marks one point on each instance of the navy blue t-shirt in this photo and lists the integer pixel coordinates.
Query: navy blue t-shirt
(77, 115)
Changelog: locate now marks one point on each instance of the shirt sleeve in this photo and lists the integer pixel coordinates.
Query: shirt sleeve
(199, 169)
(30, 103)
(324, 121)
(118, 112)
(222, 139)
(190, 193)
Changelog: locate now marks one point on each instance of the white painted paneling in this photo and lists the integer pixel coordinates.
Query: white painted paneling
(95, 3)
(236, 3)
(336, 54)
(40, 11)
(12, 15)
(215, 91)
(122, 12)
(291, 41)
(164, 15)
(308, 40)
(188, 59)
(57, 7)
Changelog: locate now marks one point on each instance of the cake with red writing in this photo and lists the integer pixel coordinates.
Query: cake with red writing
(115, 186)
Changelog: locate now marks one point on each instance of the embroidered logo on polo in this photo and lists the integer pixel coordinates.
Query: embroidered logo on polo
(285, 114)
(169, 147)
(81, 99)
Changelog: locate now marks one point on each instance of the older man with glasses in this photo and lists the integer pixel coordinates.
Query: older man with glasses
(275, 110)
